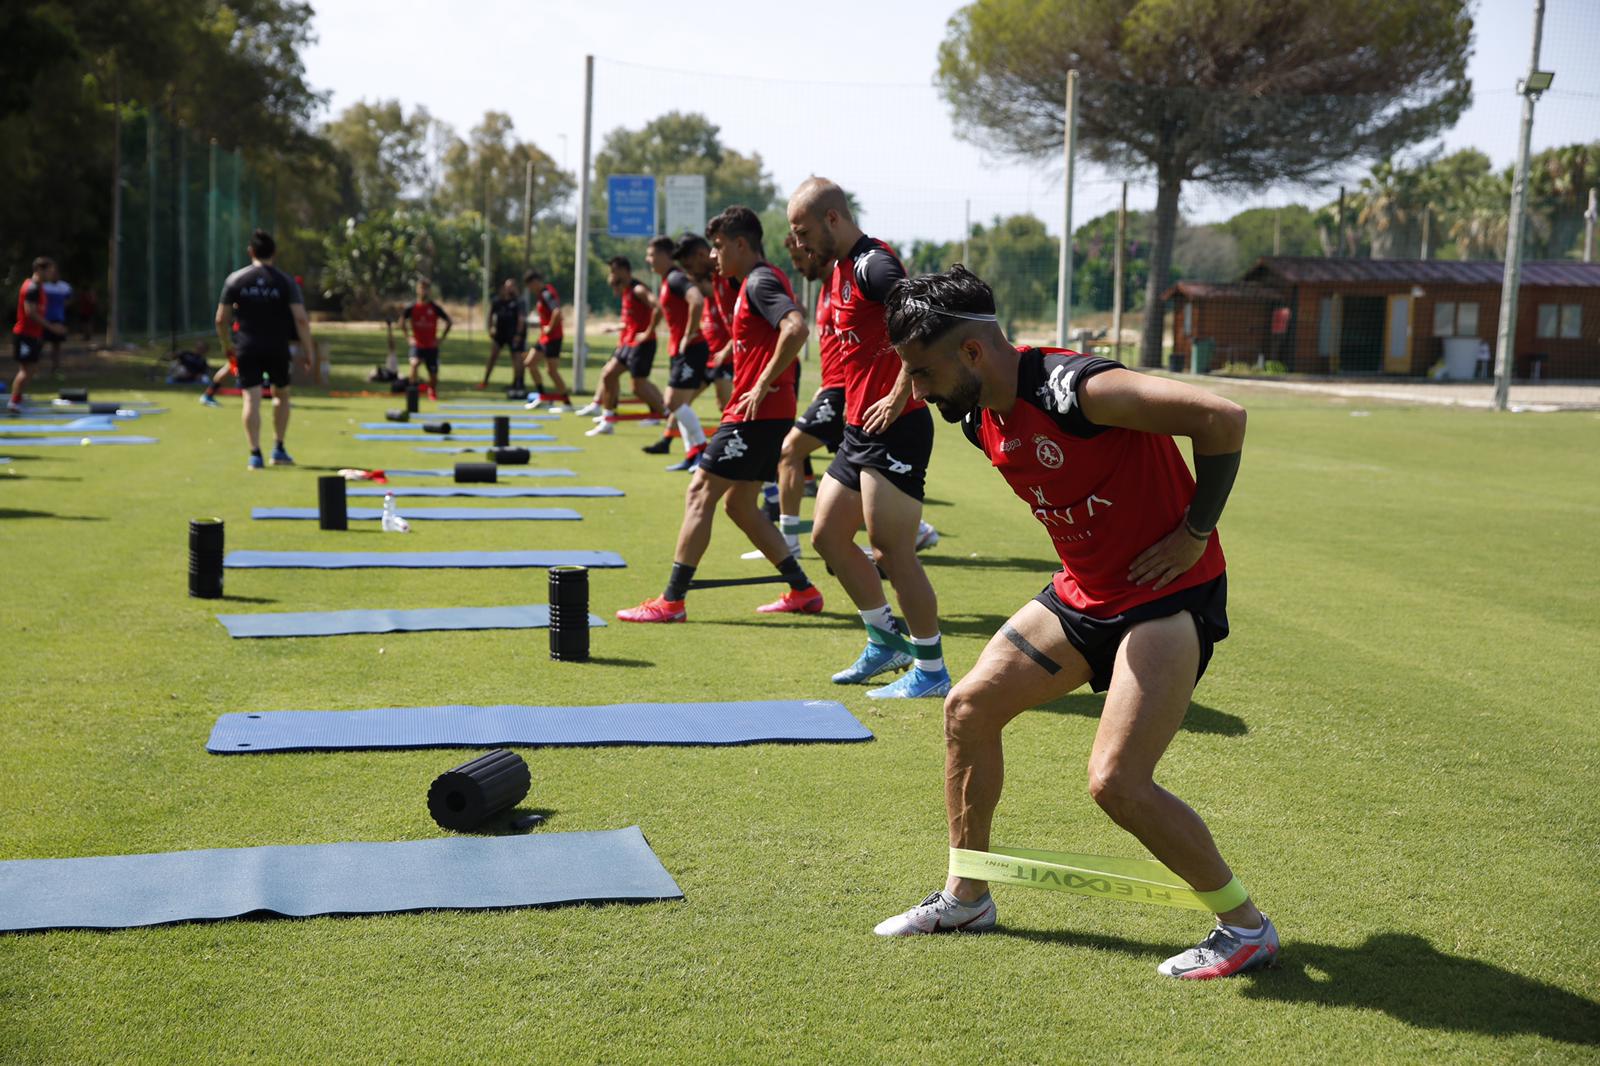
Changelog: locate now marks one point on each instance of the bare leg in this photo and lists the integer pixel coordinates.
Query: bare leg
(494, 357)
(19, 384)
(892, 518)
(646, 390)
(743, 505)
(558, 386)
(699, 511)
(280, 410)
(792, 469)
(251, 415)
(833, 534)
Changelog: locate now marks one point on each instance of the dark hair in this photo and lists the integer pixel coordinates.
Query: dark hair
(912, 307)
(713, 226)
(533, 275)
(262, 246)
(621, 261)
(740, 221)
(688, 244)
(44, 262)
(662, 242)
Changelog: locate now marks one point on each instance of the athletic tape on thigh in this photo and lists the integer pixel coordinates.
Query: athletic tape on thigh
(1047, 664)
(1129, 880)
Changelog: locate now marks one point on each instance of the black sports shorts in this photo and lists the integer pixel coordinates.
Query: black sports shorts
(26, 349)
(1097, 639)
(428, 357)
(900, 453)
(824, 419)
(688, 368)
(254, 367)
(746, 451)
(518, 342)
(637, 359)
(550, 349)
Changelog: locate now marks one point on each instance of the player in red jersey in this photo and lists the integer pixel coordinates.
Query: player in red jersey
(878, 475)
(31, 328)
(768, 329)
(546, 303)
(420, 322)
(636, 351)
(681, 305)
(723, 292)
(1135, 611)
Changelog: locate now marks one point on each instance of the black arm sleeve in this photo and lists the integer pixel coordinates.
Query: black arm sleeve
(1213, 480)
(877, 271)
(442, 313)
(768, 297)
(678, 282)
(1052, 381)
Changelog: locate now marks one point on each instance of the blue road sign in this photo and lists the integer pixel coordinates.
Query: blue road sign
(631, 204)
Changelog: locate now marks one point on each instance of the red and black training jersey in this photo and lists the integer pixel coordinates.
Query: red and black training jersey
(764, 299)
(425, 316)
(713, 322)
(635, 313)
(861, 280)
(830, 351)
(549, 307)
(675, 307)
(27, 326)
(1104, 494)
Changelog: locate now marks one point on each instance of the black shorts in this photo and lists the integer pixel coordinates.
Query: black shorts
(688, 368)
(517, 344)
(824, 419)
(428, 357)
(26, 349)
(254, 367)
(57, 338)
(637, 359)
(746, 451)
(900, 453)
(1097, 639)
(723, 372)
(550, 349)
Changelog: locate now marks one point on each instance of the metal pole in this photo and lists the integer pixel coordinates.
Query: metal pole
(1504, 356)
(966, 238)
(486, 249)
(1116, 274)
(150, 228)
(1069, 147)
(1588, 227)
(185, 277)
(527, 217)
(580, 270)
(1277, 224)
(1427, 231)
(213, 281)
(1338, 243)
(114, 265)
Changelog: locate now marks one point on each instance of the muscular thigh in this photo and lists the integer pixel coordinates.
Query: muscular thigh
(1149, 694)
(838, 508)
(892, 516)
(1027, 663)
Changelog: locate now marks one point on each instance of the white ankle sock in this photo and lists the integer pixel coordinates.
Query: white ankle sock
(880, 618)
(935, 664)
(689, 423)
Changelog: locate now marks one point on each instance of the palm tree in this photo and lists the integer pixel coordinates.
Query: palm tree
(1389, 208)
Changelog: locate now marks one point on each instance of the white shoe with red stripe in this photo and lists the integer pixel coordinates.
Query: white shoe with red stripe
(941, 913)
(1224, 953)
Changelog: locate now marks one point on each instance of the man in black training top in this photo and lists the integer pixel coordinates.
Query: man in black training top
(270, 310)
(508, 328)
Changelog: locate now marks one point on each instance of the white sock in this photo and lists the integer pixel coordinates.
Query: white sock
(935, 664)
(879, 617)
(689, 423)
(1246, 934)
(789, 526)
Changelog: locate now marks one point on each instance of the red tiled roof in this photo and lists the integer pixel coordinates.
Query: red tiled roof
(1233, 290)
(1300, 270)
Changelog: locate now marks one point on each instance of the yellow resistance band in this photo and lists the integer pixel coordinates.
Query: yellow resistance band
(1132, 880)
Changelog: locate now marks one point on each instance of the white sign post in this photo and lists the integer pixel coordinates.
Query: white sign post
(686, 203)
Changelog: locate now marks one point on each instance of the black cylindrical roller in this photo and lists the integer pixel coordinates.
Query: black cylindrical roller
(398, 386)
(502, 431)
(74, 395)
(413, 395)
(509, 456)
(569, 613)
(104, 408)
(397, 416)
(205, 558)
(436, 427)
(331, 512)
(466, 472)
(465, 798)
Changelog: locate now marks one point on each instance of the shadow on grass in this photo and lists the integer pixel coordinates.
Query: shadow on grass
(247, 599)
(1200, 719)
(11, 512)
(1399, 974)
(1025, 563)
(613, 660)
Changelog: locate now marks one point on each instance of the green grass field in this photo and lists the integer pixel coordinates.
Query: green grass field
(1397, 748)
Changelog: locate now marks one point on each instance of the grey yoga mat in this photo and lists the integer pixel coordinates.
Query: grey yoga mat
(255, 560)
(427, 619)
(438, 514)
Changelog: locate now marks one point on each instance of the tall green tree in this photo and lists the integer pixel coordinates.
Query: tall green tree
(688, 143)
(386, 150)
(1226, 92)
(493, 161)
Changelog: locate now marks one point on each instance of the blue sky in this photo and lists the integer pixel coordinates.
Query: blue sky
(843, 89)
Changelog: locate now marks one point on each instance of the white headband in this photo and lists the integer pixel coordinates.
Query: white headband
(923, 305)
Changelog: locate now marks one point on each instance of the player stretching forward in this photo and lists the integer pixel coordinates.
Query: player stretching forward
(547, 302)
(1136, 609)
(636, 351)
(768, 330)
(682, 305)
(420, 322)
(882, 463)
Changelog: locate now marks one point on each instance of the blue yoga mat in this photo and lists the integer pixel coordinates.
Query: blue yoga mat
(343, 623)
(483, 491)
(533, 449)
(69, 442)
(505, 408)
(7, 428)
(764, 721)
(250, 560)
(504, 471)
(451, 436)
(57, 425)
(437, 514)
(467, 873)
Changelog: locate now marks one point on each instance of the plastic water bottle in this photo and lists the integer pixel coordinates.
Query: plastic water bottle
(392, 522)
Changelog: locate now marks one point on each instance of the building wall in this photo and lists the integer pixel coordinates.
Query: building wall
(1564, 358)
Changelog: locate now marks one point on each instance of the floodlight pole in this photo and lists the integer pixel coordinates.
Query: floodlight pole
(580, 270)
(1116, 275)
(1504, 356)
(1069, 147)
(1588, 227)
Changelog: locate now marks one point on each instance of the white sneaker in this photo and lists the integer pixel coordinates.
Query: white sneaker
(533, 402)
(601, 429)
(927, 536)
(794, 549)
(588, 409)
(941, 913)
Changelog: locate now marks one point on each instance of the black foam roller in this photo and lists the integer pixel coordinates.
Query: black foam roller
(399, 385)
(205, 558)
(103, 408)
(509, 456)
(468, 472)
(465, 798)
(413, 395)
(436, 427)
(397, 416)
(74, 395)
(502, 431)
(331, 503)
(569, 613)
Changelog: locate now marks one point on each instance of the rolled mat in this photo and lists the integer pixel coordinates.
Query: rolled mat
(436, 514)
(507, 456)
(532, 471)
(426, 620)
(487, 491)
(70, 442)
(485, 437)
(537, 449)
(453, 873)
(253, 560)
(476, 472)
(502, 431)
(763, 721)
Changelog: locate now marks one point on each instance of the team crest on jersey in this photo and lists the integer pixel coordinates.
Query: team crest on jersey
(844, 291)
(1048, 452)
